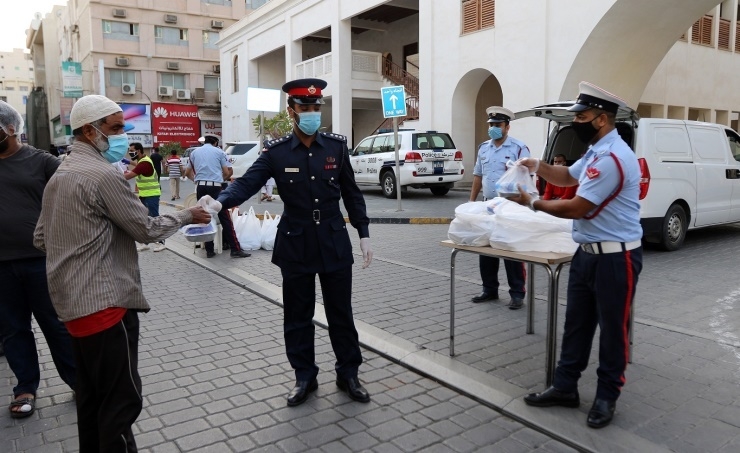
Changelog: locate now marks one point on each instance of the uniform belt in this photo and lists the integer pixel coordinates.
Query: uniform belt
(314, 214)
(208, 183)
(598, 248)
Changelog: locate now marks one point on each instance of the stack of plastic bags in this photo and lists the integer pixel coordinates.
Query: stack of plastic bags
(253, 234)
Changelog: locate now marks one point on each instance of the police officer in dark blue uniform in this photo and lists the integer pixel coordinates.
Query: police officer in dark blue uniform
(312, 171)
(604, 271)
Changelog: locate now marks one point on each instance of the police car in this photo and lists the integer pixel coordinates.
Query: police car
(427, 159)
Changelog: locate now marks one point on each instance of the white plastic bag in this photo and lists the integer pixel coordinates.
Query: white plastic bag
(250, 231)
(516, 175)
(520, 229)
(472, 225)
(269, 230)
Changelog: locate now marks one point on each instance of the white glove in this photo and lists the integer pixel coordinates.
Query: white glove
(530, 162)
(367, 252)
(209, 204)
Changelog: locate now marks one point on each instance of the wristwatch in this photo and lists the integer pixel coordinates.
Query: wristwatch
(531, 204)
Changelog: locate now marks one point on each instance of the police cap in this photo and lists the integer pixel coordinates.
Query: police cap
(305, 91)
(498, 114)
(590, 96)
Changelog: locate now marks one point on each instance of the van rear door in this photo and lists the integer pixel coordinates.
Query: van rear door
(711, 158)
(733, 173)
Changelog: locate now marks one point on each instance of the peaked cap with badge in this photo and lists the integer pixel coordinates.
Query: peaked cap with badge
(498, 114)
(590, 96)
(305, 91)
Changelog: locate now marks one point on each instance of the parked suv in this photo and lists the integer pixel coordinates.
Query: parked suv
(185, 158)
(427, 160)
(242, 155)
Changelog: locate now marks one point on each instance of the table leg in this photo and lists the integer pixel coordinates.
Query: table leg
(552, 322)
(452, 301)
(530, 298)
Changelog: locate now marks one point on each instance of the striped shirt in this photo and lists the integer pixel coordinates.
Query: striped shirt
(88, 226)
(173, 166)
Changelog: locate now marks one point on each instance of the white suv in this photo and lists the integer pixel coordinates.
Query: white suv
(427, 159)
(242, 155)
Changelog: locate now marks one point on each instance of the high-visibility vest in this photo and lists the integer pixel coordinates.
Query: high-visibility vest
(148, 185)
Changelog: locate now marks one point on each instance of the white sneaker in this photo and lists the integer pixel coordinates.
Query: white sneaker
(142, 247)
(158, 247)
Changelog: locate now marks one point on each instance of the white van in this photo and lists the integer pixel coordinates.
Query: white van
(690, 170)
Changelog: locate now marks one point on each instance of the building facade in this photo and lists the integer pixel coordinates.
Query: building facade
(668, 58)
(16, 79)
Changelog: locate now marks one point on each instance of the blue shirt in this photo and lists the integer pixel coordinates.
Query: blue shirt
(491, 162)
(208, 162)
(599, 172)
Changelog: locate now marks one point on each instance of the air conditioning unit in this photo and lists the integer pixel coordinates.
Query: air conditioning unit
(128, 88)
(217, 68)
(217, 24)
(175, 65)
(170, 18)
(122, 61)
(200, 93)
(183, 94)
(119, 13)
(165, 91)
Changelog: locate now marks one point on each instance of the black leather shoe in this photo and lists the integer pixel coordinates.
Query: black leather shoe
(601, 413)
(240, 254)
(553, 397)
(484, 296)
(516, 303)
(210, 254)
(354, 389)
(300, 392)
(225, 247)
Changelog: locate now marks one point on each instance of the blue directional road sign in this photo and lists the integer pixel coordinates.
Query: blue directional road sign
(394, 101)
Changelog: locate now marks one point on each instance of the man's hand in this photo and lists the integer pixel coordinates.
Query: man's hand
(200, 215)
(367, 252)
(523, 198)
(209, 204)
(531, 163)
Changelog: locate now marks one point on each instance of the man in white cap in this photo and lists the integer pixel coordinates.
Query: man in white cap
(604, 271)
(490, 166)
(89, 224)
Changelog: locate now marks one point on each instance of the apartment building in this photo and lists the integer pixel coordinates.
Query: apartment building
(159, 60)
(16, 79)
(668, 58)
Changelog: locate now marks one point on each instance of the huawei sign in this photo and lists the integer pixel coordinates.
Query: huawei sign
(160, 112)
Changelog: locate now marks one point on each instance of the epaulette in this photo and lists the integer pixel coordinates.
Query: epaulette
(338, 137)
(276, 141)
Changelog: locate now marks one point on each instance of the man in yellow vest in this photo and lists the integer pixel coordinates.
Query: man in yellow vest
(147, 184)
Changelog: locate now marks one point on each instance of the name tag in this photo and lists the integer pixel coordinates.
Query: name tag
(291, 170)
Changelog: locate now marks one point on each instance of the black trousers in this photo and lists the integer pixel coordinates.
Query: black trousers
(601, 289)
(515, 275)
(108, 387)
(299, 298)
(227, 226)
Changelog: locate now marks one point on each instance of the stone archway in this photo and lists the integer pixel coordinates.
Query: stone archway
(476, 90)
(615, 54)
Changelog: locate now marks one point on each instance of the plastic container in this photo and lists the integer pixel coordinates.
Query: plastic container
(199, 232)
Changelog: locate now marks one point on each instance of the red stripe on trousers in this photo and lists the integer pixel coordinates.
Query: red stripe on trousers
(627, 306)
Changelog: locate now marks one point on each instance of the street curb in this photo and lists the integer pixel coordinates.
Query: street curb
(376, 220)
(562, 424)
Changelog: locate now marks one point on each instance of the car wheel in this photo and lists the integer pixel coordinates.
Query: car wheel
(675, 224)
(389, 184)
(439, 191)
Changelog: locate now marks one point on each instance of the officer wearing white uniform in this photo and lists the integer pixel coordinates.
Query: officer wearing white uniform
(605, 268)
(490, 165)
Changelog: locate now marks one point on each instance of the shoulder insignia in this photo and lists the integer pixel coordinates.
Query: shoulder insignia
(334, 136)
(276, 141)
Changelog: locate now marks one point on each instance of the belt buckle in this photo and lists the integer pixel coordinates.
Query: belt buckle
(589, 248)
(316, 216)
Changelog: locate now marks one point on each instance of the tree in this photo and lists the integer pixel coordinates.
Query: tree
(276, 126)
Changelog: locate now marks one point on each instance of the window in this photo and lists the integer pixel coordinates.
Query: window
(363, 147)
(117, 77)
(120, 30)
(432, 141)
(218, 2)
(477, 15)
(380, 144)
(24, 88)
(212, 83)
(171, 36)
(236, 74)
(701, 31)
(4, 98)
(734, 144)
(176, 81)
(10, 88)
(209, 39)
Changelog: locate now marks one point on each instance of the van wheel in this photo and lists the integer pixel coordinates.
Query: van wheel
(439, 191)
(674, 228)
(389, 184)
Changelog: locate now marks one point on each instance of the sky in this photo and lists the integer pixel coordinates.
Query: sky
(13, 31)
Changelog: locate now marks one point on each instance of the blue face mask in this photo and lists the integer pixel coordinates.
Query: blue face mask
(309, 122)
(115, 148)
(495, 132)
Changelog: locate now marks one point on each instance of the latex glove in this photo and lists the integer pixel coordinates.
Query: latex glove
(367, 252)
(209, 204)
(530, 162)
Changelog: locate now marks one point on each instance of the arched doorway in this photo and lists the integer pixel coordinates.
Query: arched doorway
(476, 90)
